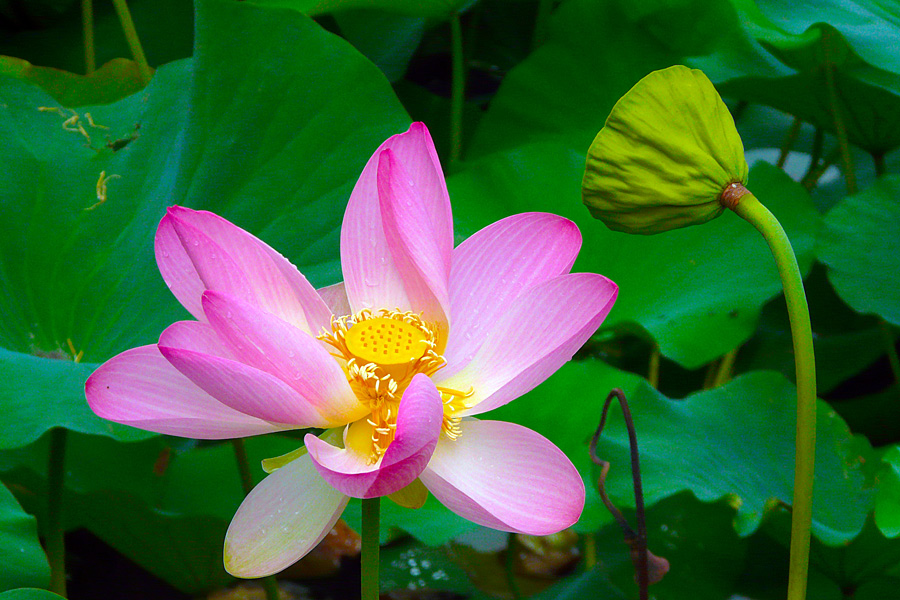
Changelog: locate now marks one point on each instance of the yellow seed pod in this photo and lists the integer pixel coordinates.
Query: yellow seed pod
(667, 152)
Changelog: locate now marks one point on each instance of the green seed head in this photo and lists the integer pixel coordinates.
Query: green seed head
(667, 152)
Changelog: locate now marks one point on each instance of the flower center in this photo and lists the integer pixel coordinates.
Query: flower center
(387, 341)
(380, 353)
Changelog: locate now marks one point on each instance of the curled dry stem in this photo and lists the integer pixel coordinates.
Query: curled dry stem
(649, 569)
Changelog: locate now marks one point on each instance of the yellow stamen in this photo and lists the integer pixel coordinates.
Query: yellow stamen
(380, 354)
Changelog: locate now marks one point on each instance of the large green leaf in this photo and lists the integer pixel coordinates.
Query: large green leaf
(705, 554)
(833, 65)
(696, 291)
(845, 342)
(388, 40)
(165, 509)
(860, 243)
(38, 393)
(22, 560)
(868, 113)
(737, 441)
(242, 134)
(566, 88)
(870, 27)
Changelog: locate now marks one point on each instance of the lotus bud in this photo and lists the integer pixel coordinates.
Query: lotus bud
(667, 152)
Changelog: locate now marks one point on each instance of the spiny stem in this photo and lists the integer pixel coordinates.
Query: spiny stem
(457, 90)
(133, 42)
(371, 508)
(269, 583)
(750, 209)
(590, 551)
(726, 367)
(653, 367)
(709, 378)
(510, 566)
(811, 179)
(789, 141)
(56, 477)
(87, 25)
(840, 128)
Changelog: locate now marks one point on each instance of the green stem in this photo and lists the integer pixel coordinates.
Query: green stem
(457, 91)
(56, 477)
(371, 508)
(87, 25)
(133, 42)
(653, 367)
(890, 349)
(590, 551)
(839, 128)
(511, 549)
(726, 367)
(789, 141)
(811, 179)
(749, 208)
(709, 378)
(269, 583)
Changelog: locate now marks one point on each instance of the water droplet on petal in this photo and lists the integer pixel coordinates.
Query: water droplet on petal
(196, 243)
(165, 254)
(371, 282)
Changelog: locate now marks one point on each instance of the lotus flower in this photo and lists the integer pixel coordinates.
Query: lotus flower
(393, 363)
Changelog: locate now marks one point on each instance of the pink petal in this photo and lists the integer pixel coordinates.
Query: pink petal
(372, 278)
(228, 259)
(140, 388)
(539, 332)
(413, 242)
(506, 477)
(196, 336)
(335, 297)
(494, 266)
(281, 520)
(176, 268)
(418, 428)
(245, 388)
(262, 340)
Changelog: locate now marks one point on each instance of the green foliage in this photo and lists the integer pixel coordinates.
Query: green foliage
(89, 276)
(265, 116)
(22, 560)
(860, 244)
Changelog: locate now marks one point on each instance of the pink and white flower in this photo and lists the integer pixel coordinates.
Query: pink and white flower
(393, 363)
